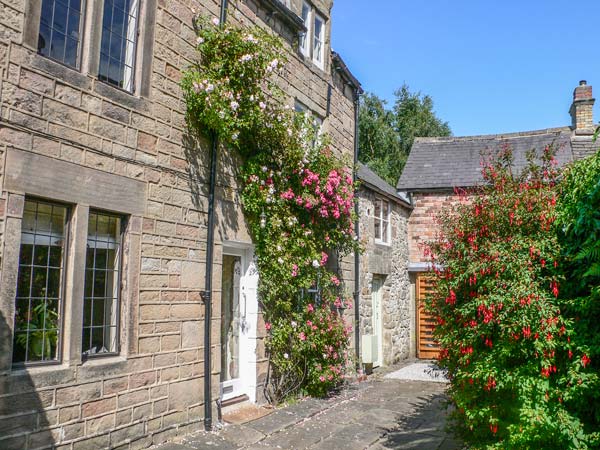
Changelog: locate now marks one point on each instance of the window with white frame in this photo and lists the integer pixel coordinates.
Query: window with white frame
(312, 41)
(318, 40)
(60, 31)
(305, 35)
(382, 221)
(317, 121)
(118, 44)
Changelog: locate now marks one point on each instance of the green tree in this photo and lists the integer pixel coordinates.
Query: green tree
(379, 143)
(387, 135)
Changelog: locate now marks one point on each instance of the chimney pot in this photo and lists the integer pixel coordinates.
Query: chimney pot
(582, 109)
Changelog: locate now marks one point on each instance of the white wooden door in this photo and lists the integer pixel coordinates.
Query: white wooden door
(376, 298)
(231, 332)
(239, 317)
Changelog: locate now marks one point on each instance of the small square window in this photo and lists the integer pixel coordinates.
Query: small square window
(38, 319)
(102, 285)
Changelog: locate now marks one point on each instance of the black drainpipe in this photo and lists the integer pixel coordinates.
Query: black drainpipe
(207, 294)
(357, 233)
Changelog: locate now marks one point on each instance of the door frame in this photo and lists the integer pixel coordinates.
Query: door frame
(246, 383)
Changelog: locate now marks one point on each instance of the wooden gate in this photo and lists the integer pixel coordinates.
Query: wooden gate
(427, 347)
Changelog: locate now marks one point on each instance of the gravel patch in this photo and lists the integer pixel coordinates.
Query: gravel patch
(421, 371)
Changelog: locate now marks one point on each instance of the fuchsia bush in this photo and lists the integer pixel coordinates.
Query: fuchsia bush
(506, 345)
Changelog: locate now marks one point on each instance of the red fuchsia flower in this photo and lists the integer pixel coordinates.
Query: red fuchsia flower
(527, 331)
(545, 372)
(302, 336)
(570, 354)
(451, 299)
(543, 263)
(554, 287)
(585, 360)
(268, 325)
(491, 384)
(494, 428)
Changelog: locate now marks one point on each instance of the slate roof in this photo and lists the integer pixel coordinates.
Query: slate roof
(447, 162)
(373, 181)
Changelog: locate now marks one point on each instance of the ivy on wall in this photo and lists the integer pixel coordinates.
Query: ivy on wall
(297, 196)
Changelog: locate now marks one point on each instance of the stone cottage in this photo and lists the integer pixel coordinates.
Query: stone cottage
(436, 166)
(104, 208)
(387, 316)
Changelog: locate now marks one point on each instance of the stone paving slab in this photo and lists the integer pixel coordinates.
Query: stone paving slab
(381, 413)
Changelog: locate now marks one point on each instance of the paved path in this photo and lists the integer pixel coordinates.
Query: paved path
(377, 414)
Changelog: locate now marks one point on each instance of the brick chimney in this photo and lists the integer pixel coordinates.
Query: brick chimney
(582, 109)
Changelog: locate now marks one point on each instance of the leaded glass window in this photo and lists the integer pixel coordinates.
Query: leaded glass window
(60, 31)
(39, 283)
(119, 41)
(102, 285)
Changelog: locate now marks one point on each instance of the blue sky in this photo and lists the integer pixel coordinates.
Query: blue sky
(490, 66)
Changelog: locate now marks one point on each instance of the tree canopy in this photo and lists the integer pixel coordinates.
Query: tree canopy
(386, 134)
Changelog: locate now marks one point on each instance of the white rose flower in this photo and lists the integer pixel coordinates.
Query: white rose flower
(215, 21)
(286, 356)
(199, 40)
(315, 264)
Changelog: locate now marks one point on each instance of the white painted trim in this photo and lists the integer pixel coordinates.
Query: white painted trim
(247, 382)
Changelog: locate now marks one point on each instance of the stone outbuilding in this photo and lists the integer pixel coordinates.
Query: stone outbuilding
(387, 317)
(436, 166)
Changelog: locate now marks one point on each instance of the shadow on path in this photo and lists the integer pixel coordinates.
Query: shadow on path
(422, 425)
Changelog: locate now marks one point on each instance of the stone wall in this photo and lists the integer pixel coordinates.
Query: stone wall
(391, 263)
(66, 136)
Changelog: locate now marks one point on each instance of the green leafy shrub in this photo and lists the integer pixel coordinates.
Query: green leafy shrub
(508, 350)
(579, 233)
(298, 199)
